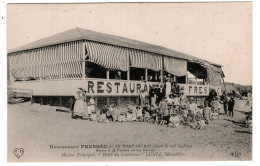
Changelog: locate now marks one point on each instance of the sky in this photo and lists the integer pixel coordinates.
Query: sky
(217, 32)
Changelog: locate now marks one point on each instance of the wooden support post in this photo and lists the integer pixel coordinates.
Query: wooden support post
(32, 100)
(41, 100)
(118, 101)
(50, 101)
(137, 100)
(107, 74)
(83, 61)
(60, 101)
(128, 100)
(196, 76)
(96, 101)
(108, 102)
(128, 74)
(146, 75)
(161, 75)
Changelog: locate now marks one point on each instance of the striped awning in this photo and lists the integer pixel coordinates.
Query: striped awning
(142, 59)
(107, 56)
(177, 67)
(48, 62)
(214, 73)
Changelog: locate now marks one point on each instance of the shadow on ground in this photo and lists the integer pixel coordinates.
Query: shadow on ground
(241, 124)
(246, 132)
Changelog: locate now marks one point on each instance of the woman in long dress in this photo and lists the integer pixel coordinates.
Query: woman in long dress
(78, 110)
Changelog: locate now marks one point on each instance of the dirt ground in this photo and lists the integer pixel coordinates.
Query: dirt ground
(36, 128)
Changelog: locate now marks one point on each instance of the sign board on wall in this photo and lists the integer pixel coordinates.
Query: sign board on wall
(199, 90)
(103, 87)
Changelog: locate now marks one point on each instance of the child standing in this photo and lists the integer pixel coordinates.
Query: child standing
(165, 117)
(78, 110)
(207, 112)
(193, 109)
(162, 107)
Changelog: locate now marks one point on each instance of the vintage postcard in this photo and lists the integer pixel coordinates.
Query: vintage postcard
(129, 82)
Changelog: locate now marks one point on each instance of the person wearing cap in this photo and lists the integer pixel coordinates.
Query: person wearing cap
(207, 113)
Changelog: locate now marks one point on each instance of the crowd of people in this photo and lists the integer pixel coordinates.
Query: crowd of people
(166, 106)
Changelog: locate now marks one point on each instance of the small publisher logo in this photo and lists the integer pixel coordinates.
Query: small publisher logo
(18, 152)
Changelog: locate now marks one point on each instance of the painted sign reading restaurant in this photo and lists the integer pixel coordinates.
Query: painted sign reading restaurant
(103, 87)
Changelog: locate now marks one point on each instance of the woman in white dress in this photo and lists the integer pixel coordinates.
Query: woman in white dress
(168, 88)
(78, 110)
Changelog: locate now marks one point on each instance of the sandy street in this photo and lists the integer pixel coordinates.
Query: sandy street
(38, 129)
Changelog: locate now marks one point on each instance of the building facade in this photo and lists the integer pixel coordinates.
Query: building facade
(112, 69)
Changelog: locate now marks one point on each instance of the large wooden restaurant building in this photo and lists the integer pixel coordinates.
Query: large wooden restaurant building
(112, 69)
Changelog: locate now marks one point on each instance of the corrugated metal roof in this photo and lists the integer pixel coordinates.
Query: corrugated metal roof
(80, 34)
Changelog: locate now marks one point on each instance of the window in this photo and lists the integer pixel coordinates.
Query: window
(95, 71)
(181, 80)
(119, 75)
(137, 74)
(153, 76)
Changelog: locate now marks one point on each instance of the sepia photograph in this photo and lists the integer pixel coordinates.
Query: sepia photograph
(129, 82)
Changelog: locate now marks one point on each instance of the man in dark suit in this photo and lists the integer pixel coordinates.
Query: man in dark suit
(231, 104)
